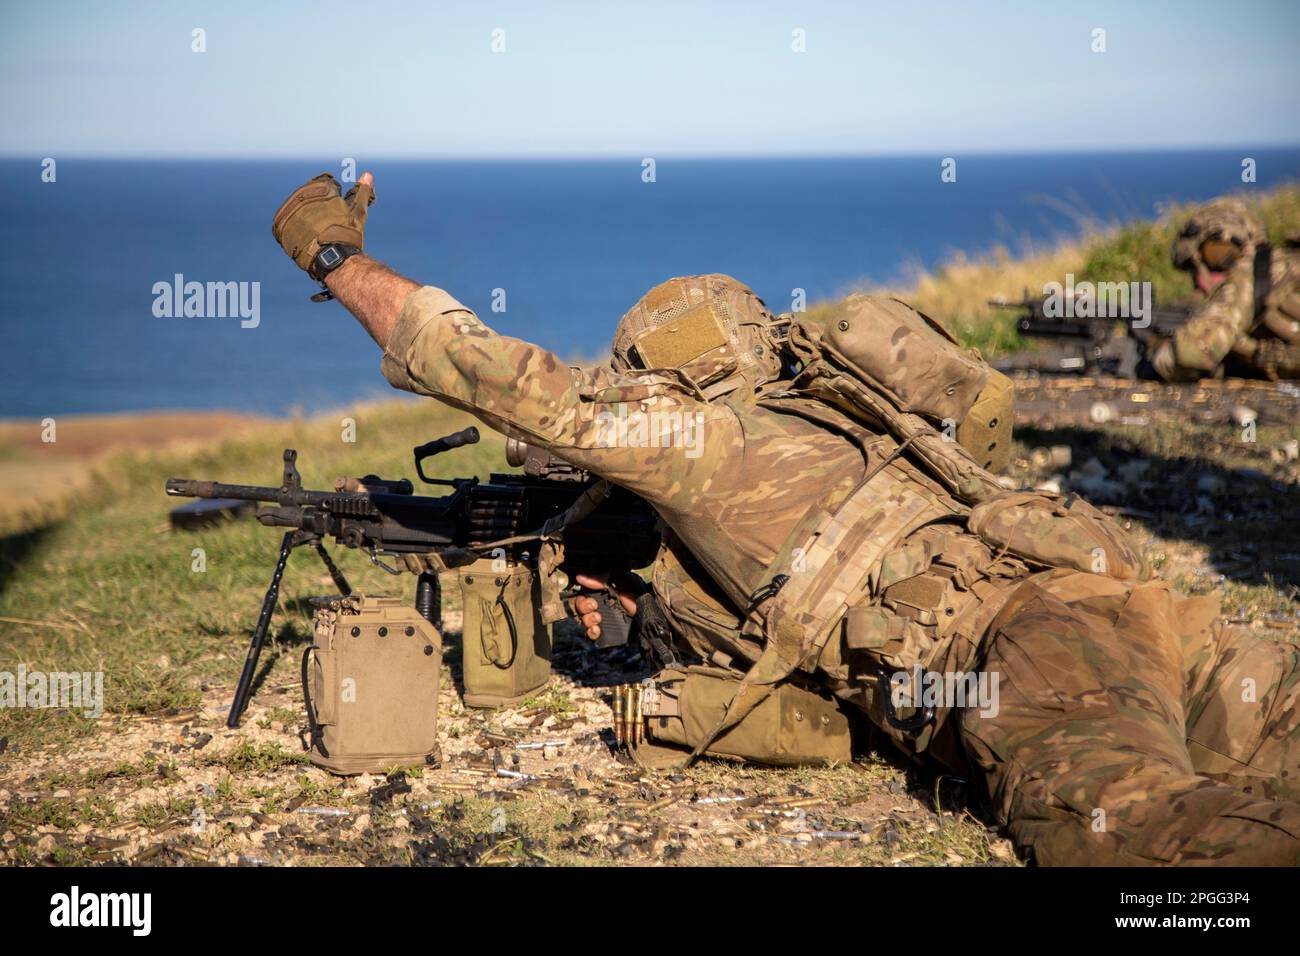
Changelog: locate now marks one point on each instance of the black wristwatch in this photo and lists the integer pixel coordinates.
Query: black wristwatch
(331, 256)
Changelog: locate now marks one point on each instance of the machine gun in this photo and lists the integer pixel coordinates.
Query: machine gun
(604, 528)
(1084, 345)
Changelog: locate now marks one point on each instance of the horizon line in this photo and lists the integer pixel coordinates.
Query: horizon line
(614, 157)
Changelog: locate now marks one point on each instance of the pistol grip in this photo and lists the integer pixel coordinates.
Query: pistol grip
(614, 622)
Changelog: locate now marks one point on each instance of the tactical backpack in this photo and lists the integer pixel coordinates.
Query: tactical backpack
(370, 681)
(919, 369)
(881, 362)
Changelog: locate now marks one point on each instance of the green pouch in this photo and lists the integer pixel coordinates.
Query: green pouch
(679, 707)
(505, 646)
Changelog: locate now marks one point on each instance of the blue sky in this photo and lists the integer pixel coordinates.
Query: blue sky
(643, 78)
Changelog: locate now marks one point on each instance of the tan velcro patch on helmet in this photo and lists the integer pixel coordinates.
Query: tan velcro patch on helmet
(665, 297)
(679, 340)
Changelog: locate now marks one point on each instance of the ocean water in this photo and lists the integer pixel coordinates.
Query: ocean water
(572, 244)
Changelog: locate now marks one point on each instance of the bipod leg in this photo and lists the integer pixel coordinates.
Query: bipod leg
(340, 581)
(291, 540)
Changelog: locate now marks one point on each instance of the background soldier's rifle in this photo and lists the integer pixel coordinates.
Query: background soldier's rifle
(1082, 345)
(384, 518)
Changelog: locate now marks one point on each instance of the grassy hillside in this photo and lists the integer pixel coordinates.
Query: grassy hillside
(958, 292)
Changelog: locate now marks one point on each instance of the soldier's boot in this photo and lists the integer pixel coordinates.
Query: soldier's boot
(1085, 755)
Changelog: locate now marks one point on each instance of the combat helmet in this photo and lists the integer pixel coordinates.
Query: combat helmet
(712, 330)
(1215, 235)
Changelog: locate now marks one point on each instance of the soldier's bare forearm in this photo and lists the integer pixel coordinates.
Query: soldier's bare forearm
(372, 292)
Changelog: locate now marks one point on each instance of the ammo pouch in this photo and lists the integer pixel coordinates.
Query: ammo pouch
(1058, 532)
(678, 708)
(370, 681)
(505, 646)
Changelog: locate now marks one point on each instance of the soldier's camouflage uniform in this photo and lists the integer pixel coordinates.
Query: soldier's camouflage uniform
(1132, 727)
(1252, 319)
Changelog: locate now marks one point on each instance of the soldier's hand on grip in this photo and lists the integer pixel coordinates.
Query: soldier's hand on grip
(317, 214)
(588, 609)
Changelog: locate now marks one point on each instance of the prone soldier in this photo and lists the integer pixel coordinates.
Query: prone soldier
(834, 525)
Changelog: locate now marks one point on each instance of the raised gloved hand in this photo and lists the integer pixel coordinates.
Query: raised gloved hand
(318, 214)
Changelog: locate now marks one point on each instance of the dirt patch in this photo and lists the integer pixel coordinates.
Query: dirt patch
(38, 477)
(86, 436)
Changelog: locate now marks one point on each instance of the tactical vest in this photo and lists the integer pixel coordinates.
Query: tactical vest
(925, 548)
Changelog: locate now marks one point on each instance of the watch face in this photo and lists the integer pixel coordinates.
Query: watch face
(330, 257)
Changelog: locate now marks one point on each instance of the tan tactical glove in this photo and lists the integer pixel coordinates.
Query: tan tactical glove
(316, 215)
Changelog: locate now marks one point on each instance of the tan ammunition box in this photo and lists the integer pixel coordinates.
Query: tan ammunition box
(371, 682)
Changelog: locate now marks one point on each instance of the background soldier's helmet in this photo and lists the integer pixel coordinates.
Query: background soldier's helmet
(712, 329)
(1215, 235)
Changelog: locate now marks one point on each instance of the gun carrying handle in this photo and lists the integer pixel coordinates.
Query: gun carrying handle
(466, 436)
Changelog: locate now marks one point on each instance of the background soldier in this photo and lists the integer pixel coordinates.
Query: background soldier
(1132, 725)
(1251, 316)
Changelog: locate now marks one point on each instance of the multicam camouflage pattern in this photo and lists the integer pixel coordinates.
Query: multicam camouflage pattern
(712, 329)
(1133, 728)
(733, 487)
(1115, 696)
(1058, 531)
(1260, 333)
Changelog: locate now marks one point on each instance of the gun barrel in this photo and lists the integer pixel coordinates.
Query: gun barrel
(343, 502)
(188, 488)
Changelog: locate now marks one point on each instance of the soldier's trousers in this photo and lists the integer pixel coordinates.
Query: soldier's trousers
(1134, 727)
